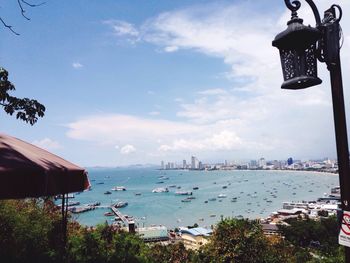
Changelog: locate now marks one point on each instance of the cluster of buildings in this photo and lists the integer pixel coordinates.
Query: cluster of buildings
(323, 165)
(322, 207)
(192, 238)
(195, 164)
(195, 237)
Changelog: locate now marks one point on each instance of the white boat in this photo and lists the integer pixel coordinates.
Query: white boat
(160, 190)
(222, 196)
(120, 204)
(119, 188)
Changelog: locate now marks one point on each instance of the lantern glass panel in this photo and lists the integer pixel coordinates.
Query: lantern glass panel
(310, 61)
(296, 63)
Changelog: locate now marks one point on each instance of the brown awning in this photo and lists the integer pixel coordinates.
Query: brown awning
(29, 171)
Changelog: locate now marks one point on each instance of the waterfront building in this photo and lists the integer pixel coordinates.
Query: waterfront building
(200, 166)
(162, 165)
(184, 165)
(194, 238)
(271, 230)
(153, 234)
(290, 161)
(253, 164)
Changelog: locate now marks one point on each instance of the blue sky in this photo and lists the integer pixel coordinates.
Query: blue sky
(142, 81)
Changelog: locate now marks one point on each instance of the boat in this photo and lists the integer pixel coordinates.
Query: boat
(191, 197)
(100, 183)
(172, 186)
(94, 204)
(212, 199)
(163, 178)
(183, 193)
(71, 203)
(205, 201)
(160, 190)
(137, 193)
(119, 188)
(120, 204)
(107, 192)
(186, 200)
(108, 214)
(160, 182)
(222, 196)
(212, 215)
(234, 199)
(195, 188)
(224, 187)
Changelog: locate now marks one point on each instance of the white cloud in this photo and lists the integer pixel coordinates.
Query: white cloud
(254, 115)
(47, 144)
(225, 140)
(127, 149)
(115, 128)
(171, 49)
(124, 29)
(213, 92)
(77, 65)
(154, 113)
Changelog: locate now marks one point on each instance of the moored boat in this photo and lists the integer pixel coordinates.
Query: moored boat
(160, 190)
(119, 188)
(183, 193)
(120, 204)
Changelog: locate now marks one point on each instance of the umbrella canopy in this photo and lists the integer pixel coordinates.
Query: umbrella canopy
(29, 171)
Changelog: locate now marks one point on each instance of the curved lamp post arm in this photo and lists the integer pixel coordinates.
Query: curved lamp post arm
(295, 5)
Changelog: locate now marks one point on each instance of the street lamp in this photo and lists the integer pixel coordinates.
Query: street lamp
(300, 47)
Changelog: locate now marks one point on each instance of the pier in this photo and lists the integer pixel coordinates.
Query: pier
(126, 221)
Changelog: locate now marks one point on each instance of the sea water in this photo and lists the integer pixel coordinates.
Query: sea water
(258, 193)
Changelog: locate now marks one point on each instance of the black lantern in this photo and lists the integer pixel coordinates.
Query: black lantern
(297, 45)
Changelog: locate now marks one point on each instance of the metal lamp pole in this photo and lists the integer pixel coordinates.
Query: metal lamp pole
(299, 47)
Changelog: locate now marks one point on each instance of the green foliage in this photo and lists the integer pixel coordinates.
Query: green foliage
(236, 240)
(29, 230)
(303, 232)
(105, 244)
(26, 109)
(175, 253)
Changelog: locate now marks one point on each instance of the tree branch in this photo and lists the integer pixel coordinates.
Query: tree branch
(23, 11)
(9, 27)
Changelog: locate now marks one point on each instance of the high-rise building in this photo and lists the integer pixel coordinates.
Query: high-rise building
(193, 162)
(162, 165)
(253, 164)
(290, 161)
(262, 162)
(200, 166)
(184, 165)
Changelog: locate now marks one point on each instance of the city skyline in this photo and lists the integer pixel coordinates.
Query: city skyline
(124, 86)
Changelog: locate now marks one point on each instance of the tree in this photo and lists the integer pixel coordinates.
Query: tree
(26, 109)
(239, 241)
